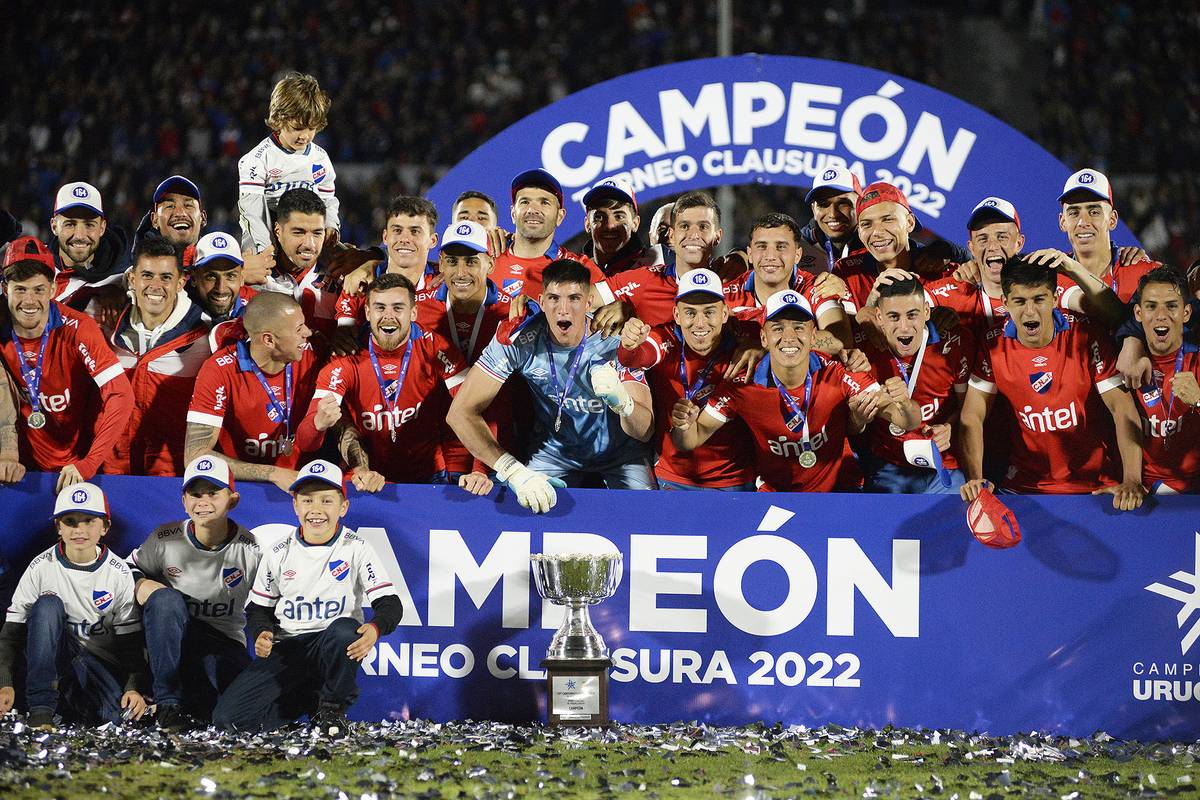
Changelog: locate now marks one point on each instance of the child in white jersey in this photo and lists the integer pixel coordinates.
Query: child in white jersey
(192, 579)
(305, 615)
(73, 610)
(287, 159)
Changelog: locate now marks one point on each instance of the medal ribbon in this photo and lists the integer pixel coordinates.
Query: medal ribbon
(911, 381)
(283, 412)
(33, 376)
(797, 411)
(701, 377)
(576, 358)
(470, 351)
(394, 400)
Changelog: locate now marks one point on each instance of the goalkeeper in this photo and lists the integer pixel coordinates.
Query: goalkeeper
(591, 419)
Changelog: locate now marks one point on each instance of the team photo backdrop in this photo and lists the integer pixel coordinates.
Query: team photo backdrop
(855, 609)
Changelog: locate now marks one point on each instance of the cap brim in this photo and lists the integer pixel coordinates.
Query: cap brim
(218, 257)
(991, 212)
(711, 295)
(468, 245)
(1062, 198)
(176, 186)
(831, 187)
(791, 307)
(89, 512)
(209, 478)
(70, 206)
(610, 193)
(303, 479)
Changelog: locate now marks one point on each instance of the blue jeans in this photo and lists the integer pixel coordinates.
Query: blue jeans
(634, 475)
(191, 661)
(687, 487)
(90, 691)
(287, 684)
(887, 478)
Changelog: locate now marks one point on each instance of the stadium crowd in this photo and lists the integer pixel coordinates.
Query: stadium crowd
(844, 354)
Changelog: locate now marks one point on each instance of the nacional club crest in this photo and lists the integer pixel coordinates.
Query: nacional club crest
(231, 577)
(1041, 381)
(102, 599)
(318, 173)
(339, 569)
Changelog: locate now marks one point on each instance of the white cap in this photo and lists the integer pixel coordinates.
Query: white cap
(79, 195)
(616, 187)
(788, 298)
(663, 211)
(213, 246)
(85, 498)
(210, 468)
(323, 471)
(837, 178)
(1088, 180)
(465, 233)
(989, 206)
(700, 281)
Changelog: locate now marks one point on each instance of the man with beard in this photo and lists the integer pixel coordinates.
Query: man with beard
(218, 279)
(388, 390)
(300, 231)
(537, 211)
(592, 420)
(161, 342)
(612, 221)
(686, 362)
(90, 256)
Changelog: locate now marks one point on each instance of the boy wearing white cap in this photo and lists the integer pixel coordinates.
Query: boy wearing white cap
(74, 611)
(306, 615)
(192, 581)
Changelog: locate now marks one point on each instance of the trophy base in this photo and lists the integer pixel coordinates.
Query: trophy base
(577, 691)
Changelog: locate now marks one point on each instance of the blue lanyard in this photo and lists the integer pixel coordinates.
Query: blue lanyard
(32, 377)
(561, 394)
(829, 253)
(1112, 267)
(1178, 366)
(702, 377)
(391, 391)
(275, 412)
(799, 415)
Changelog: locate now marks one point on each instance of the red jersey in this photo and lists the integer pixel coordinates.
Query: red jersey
(1062, 445)
(742, 301)
(650, 290)
(1170, 430)
(315, 291)
(725, 459)
(517, 276)
(941, 379)
(469, 333)
(229, 396)
(416, 415)
(1123, 280)
(632, 256)
(779, 449)
(83, 393)
(351, 308)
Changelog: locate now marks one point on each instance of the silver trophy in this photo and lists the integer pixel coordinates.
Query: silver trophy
(577, 661)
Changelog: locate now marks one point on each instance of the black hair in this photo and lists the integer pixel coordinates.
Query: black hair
(298, 201)
(566, 270)
(393, 280)
(156, 247)
(776, 220)
(471, 194)
(1019, 271)
(412, 206)
(1163, 274)
(901, 288)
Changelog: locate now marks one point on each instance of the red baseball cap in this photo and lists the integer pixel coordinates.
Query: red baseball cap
(880, 192)
(992, 522)
(28, 248)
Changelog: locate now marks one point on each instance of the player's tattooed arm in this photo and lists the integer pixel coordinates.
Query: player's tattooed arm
(350, 446)
(11, 469)
(200, 439)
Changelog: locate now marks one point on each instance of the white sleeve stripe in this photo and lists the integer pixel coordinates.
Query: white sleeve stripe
(205, 419)
(378, 587)
(826, 305)
(1068, 293)
(104, 376)
(987, 387)
(1115, 382)
(717, 415)
(319, 393)
(484, 367)
(606, 294)
(658, 353)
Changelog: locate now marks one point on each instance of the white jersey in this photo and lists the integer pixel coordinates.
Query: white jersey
(214, 583)
(310, 586)
(98, 598)
(266, 172)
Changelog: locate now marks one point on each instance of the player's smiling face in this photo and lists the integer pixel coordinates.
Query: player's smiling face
(80, 533)
(993, 243)
(902, 319)
(408, 240)
(178, 218)
(29, 304)
(294, 138)
(320, 509)
(884, 229)
(1087, 222)
(464, 272)
(156, 283)
(612, 225)
(217, 285)
(774, 253)
(301, 236)
(695, 235)
(834, 213)
(565, 305)
(389, 313)
(1162, 312)
(700, 320)
(787, 339)
(78, 235)
(204, 501)
(1032, 311)
(289, 335)
(477, 210)
(536, 213)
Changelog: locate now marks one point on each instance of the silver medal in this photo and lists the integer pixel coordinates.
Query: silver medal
(393, 432)
(808, 459)
(896, 430)
(37, 420)
(285, 446)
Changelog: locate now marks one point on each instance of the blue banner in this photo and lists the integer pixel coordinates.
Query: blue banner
(774, 120)
(855, 609)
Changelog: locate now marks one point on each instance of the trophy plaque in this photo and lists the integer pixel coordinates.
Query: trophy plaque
(577, 662)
